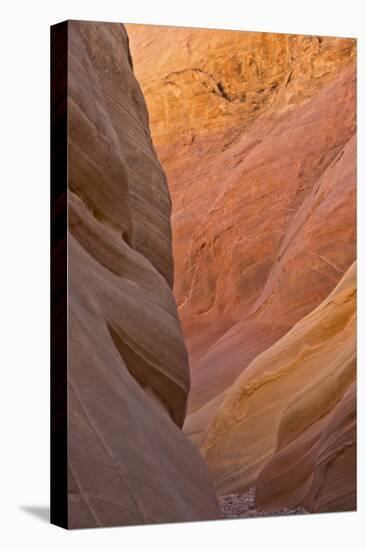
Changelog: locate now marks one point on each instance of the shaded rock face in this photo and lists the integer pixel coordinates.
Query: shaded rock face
(257, 135)
(129, 461)
(319, 468)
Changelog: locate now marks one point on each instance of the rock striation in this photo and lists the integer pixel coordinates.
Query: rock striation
(257, 135)
(287, 425)
(262, 183)
(129, 461)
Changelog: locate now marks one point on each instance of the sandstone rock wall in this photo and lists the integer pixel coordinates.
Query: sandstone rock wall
(262, 179)
(257, 135)
(287, 424)
(129, 461)
(200, 81)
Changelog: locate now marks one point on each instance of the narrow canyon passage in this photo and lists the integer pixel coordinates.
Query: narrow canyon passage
(211, 274)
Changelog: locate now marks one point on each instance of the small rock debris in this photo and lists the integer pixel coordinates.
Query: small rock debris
(242, 506)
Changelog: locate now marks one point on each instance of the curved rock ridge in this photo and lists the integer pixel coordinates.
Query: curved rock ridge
(287, 425)
(129, 461)
(318, 469)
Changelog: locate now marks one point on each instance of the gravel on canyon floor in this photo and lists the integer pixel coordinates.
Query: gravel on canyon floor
(242, 506)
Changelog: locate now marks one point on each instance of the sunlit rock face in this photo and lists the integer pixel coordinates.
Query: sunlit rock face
(129, 461)
(200, 81)
(256, 133)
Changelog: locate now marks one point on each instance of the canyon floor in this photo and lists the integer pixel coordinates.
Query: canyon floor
(243, 506)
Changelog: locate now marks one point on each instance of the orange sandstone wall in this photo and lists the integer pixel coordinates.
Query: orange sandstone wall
(285, 411)
(257, 135)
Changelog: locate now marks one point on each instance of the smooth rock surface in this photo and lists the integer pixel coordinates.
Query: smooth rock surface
(317, 470)
(287, 425)
(129, 461)
(256, 132)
